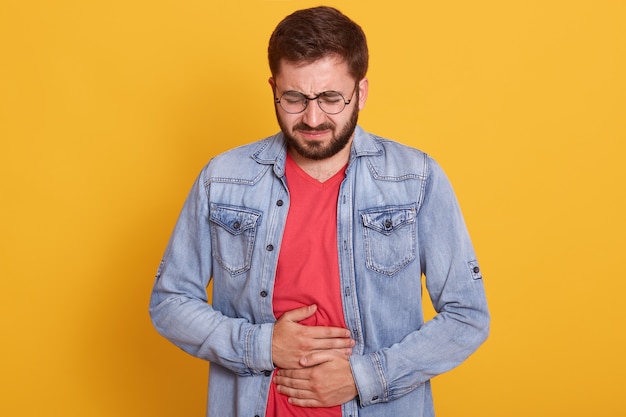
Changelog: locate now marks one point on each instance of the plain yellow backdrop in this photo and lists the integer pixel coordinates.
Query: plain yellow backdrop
(109, 109)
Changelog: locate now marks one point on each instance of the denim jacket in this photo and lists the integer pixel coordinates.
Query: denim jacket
(397, 218)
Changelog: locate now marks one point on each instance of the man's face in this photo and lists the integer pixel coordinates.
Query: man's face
(314, 134)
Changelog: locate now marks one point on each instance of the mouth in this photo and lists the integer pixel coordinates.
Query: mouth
(314, 134)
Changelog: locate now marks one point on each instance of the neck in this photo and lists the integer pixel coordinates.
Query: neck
(323, 169)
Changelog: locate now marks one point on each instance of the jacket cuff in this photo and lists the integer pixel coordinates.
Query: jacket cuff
(368, 376)
(258, 348)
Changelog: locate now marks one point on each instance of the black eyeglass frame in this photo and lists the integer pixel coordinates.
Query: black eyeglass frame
(317, 97)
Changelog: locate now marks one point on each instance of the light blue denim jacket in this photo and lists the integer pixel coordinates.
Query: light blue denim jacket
(397, 218)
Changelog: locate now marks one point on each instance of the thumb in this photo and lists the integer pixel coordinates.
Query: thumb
(300, 314)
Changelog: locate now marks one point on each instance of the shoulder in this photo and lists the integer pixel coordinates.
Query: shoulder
(246, 163)
(390, 159)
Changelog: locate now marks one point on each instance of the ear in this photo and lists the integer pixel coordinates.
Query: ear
(363, 91)
(272, 83)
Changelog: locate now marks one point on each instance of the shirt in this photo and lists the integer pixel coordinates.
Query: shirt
(308, 267)
(397, 218)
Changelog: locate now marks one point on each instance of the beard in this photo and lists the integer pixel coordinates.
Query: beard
(315, 150)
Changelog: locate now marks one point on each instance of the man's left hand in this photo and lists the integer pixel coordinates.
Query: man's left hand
(325, 381)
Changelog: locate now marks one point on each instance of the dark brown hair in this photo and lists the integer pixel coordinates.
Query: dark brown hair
(311, 34)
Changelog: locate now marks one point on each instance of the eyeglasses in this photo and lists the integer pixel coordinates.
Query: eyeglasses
(330, 102)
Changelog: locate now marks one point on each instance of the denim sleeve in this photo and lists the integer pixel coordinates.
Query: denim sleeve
(455, 285)
(179, 306)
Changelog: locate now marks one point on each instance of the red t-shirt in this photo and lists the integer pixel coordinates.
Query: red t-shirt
(308, 267)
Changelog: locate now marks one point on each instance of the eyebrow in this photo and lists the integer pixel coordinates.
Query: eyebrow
(276, 90)
(316, 95)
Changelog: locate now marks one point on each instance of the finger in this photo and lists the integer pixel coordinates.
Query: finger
(322, 356)
(300, 314)
(295, 393)
(339, 336)
(308, 402)
(294, 373)
(324, 340)
(302, 397)
(292, 382)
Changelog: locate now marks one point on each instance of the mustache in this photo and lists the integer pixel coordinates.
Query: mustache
(305, 127)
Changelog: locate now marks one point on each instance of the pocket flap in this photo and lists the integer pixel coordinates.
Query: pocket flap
(388, 219)
(234, 219)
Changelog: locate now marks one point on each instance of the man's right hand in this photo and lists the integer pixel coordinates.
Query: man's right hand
(292, 341)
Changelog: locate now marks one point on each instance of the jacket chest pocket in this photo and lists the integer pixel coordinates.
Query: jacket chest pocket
(389, 238)
(233, 231)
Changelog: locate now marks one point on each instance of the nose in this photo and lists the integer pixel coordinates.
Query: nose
(313, 115)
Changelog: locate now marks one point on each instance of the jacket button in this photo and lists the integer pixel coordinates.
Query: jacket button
(279, 203)
(236, 225)
(263, 294)
(269, 248)
(268, 373)
(476, 269)
(375, 398)
(388, 224)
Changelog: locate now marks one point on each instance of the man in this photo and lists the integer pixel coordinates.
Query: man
(316, 239)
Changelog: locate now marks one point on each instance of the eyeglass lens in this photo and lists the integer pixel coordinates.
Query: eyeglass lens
(330, 102)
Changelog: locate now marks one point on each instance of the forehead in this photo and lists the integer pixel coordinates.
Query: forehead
(328, 73)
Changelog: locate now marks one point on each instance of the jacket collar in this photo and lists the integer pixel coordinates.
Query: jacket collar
(273, 150)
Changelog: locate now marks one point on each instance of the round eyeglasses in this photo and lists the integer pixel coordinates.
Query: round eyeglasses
(330, 102)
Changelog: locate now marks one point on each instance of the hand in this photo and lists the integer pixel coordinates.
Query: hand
(292, 341)
(325, 382)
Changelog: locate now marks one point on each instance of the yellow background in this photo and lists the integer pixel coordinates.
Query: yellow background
(108, 110)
